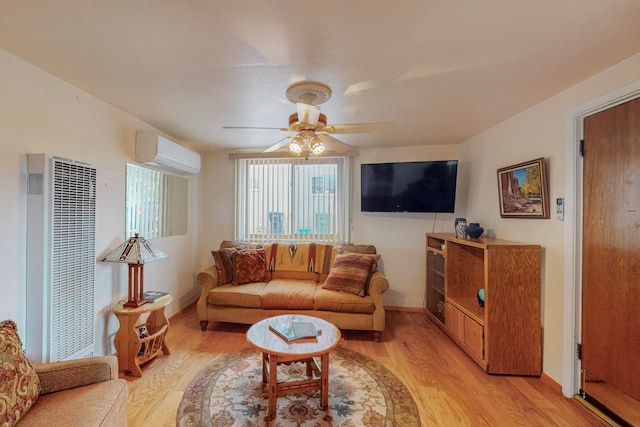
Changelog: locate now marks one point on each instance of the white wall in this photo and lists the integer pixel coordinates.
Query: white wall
(39, 113)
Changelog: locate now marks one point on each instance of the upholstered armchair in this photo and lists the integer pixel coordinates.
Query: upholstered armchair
(82, 392)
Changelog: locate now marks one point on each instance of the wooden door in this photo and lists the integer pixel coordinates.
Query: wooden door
(611, 260)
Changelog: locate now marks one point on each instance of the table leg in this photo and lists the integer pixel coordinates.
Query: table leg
(308, 362)
(265, 368)
(324, 384)
(273, 384)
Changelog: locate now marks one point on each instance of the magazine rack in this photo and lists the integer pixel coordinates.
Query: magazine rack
(139, 342)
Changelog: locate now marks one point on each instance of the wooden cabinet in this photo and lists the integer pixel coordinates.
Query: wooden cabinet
(134, 348)
(504, 336)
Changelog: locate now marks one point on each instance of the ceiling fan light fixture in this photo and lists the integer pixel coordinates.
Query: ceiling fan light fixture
(317, 147)
(296, 145)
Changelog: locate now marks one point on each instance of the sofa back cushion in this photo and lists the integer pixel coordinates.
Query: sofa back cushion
(300, 257)
(19, 382)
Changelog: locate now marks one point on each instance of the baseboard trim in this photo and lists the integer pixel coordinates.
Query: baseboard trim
(551, 382)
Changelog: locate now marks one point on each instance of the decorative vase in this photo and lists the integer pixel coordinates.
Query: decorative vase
(474, 230)
(481, 297)
(461, 228)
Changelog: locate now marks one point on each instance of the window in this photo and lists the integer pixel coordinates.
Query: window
(156, 203)
(323, 185)
(292, 199)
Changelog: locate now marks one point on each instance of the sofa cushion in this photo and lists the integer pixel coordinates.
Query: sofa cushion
(100, 404)
(289, 294)
(247, 295)
(342, 302)
(249, 267)
(224, 263)
(19, 382)
(350, 274)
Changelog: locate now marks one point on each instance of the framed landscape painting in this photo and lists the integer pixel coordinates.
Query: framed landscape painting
(522, 190)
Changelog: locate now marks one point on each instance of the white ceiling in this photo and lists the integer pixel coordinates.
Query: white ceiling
(442, 70)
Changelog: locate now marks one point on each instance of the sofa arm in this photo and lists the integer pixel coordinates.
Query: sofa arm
(57, 376)
(207, 280)
(378, 283)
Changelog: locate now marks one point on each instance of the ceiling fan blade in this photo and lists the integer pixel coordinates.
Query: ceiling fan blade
(250, 127)
(284, 141)
(334, 144)
(361, 128)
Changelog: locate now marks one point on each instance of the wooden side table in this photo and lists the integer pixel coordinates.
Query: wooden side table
(276, 351)
(134, 350)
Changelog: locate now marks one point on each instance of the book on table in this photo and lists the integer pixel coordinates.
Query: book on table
(295, 331)
(152, 296)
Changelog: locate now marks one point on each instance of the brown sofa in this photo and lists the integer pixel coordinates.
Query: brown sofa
(297, 279)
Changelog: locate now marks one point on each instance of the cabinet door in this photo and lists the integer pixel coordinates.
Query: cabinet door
(454, 319)
(474, 337)
(435, 285)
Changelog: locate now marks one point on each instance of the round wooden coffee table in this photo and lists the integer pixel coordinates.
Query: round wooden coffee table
(276, 350)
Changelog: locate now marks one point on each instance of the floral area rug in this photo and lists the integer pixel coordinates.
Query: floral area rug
(362, 392)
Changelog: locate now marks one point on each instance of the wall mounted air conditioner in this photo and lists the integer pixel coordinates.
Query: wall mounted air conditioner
(160, 153)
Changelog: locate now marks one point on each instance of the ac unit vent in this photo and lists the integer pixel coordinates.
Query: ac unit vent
(160, 153)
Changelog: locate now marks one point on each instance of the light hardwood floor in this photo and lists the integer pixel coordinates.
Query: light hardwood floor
(449, 389)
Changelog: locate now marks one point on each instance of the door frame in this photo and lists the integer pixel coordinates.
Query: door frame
(572, 292)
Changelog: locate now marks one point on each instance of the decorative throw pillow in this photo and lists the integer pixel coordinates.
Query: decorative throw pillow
(375, 257)
(349, 273)
(224, 263)
(19, 382)
(249, 267)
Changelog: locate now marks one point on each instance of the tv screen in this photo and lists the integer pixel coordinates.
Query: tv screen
(409, 186)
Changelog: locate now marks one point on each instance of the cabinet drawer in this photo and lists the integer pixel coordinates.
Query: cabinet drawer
(473, 337)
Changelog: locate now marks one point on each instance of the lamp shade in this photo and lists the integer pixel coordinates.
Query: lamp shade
(135, 250)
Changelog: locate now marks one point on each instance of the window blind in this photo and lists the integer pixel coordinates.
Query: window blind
(292, 199)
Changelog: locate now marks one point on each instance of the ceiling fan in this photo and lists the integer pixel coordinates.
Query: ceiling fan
(310, 132)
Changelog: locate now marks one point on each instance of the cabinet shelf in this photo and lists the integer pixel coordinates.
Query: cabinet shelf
(150, 346)
(504, 336)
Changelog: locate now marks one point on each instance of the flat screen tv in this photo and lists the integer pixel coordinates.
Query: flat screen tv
(428, 186)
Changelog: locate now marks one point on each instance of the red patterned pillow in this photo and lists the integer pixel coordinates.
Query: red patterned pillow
(224, 263)
(349, 273)
(19, 382)
(249, 267)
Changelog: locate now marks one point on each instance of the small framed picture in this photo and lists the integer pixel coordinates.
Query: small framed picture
(522, 190)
